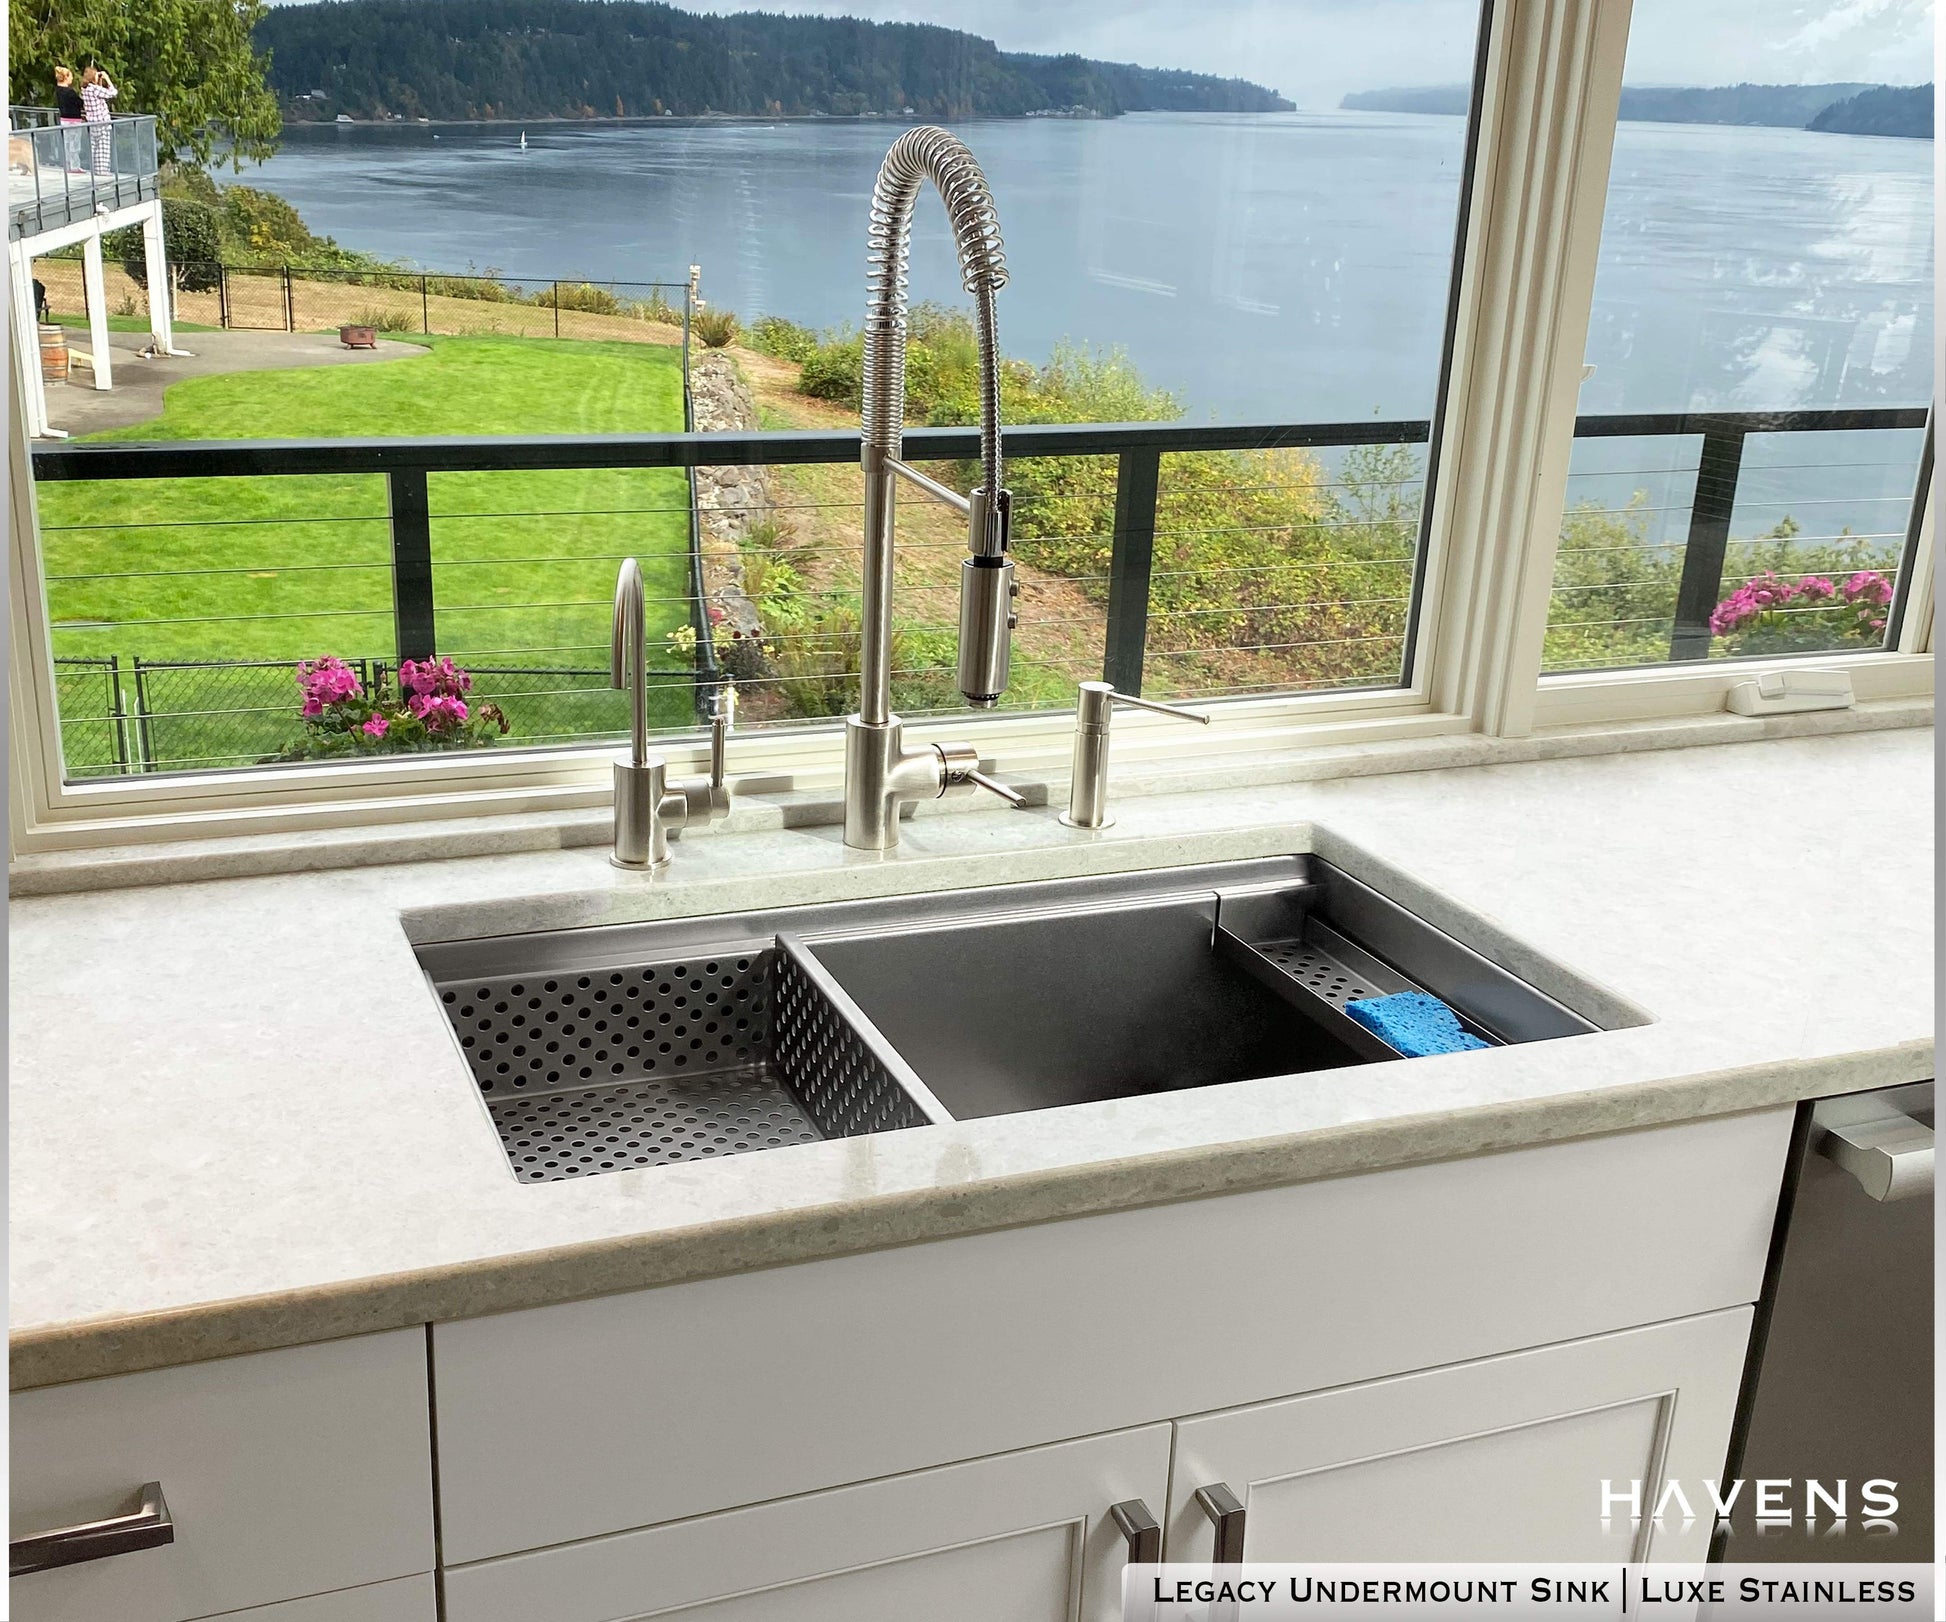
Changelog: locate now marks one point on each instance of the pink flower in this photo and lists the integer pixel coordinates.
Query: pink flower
(439, 712)
(1815, 588)
(440, 677)
(326, 681)
(376, 727)
(1868, 586)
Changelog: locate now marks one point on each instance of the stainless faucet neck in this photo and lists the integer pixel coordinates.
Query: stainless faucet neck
(628, 655)
(881, 774)
(648, 804)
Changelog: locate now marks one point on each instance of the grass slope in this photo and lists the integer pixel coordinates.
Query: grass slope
(290, 568)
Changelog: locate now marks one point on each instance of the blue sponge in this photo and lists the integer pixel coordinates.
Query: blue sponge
(1414, 1023)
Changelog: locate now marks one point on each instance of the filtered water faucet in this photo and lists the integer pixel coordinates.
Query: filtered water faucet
(647, 803)
(881, 773)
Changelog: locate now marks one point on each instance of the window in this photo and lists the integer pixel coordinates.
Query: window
(1760, 346)
(1250, 241)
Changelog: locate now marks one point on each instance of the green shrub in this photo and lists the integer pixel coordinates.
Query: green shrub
(582, 296)
(194, 243)
(786, 340)
(716, 329)
(383, 319)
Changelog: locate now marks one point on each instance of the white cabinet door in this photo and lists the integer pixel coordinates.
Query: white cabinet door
(1025, 1536)
(1502, 1459)
(285, 1473)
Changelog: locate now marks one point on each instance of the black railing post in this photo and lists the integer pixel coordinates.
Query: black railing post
(223, 295)
(557, 309)
(425, 308)
(412, 612)
(1709, 537)
(144, 732)
(290, 303)
(1138, 473)
(118, 706)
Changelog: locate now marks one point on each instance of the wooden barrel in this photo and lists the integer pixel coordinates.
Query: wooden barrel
(54, 354)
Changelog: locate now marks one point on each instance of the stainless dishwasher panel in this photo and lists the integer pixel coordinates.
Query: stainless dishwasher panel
(1840, 1382)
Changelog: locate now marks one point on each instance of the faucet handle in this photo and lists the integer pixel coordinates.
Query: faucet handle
(722, 721)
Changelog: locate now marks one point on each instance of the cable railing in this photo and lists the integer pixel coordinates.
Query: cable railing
(1141, 578)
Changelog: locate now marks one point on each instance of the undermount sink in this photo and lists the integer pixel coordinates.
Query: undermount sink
(604, 1049)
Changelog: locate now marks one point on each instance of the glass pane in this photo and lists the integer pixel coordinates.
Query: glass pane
(1767, 249)
(1253, 228)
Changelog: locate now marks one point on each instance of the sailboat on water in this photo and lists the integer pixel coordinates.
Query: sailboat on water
(523, 140)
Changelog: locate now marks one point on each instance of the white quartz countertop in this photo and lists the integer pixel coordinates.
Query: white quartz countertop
(239, 1120)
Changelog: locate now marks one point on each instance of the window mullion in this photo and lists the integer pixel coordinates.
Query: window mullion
(1553, 91)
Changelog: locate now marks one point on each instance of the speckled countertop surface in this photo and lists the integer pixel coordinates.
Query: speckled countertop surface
(239, 1121)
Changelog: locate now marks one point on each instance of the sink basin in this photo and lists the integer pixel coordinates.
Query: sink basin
(601, 1049)
(1052, 1008)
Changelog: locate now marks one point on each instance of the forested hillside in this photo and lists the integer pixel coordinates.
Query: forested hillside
(1845, 108)
(1884, 109)
(462, 59)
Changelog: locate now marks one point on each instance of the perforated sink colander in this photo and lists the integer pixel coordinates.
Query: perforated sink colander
(615, 1068)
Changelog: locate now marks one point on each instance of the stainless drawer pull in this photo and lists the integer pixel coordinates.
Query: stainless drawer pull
(148, 1527)
(1226, 1515)
(1885, 1149)
(1143, 1532)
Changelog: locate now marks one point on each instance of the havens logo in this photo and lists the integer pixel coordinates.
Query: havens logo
(1776, 1503)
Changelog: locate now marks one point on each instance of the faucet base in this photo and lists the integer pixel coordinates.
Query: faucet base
(881, 774)
(641, 834)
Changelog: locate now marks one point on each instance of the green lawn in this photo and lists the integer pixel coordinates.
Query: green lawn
(277, 568)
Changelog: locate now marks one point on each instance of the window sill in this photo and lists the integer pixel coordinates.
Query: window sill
(1305, 758)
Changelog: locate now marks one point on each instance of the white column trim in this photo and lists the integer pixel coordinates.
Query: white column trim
(94, 287)
(162, 293)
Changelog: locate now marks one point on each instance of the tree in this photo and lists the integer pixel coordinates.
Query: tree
(190, 62)
(194, 243)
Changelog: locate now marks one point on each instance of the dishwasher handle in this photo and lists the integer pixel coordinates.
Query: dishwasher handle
(1886, 1150)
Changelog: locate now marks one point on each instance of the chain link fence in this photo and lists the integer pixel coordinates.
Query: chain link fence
(121, 716)
(259, 299)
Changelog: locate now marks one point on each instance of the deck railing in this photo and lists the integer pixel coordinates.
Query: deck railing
(60, 173)
(1132, 634)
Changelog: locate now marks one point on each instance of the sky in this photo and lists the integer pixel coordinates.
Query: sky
(1313, 51)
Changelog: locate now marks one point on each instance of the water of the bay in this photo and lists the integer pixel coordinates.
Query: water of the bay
(1275, 268)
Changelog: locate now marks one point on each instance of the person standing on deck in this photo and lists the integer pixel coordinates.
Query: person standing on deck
(67, 100)
(97, 91)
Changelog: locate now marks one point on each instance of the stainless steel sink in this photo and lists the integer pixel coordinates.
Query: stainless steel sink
(600, 1049)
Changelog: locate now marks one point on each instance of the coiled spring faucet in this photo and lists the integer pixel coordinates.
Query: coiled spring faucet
(881, 773)
(647, 803)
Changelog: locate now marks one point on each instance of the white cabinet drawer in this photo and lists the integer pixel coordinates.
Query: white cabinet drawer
(1501, 1459)
(1025, 1536)
(407, 1599)
(286, 1474)
(578, 1420)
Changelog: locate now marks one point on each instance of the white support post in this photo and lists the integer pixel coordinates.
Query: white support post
(33, 392)
(155, 259)
(95, 286)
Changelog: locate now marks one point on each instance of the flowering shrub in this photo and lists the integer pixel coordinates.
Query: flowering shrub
(428, 711)
(1768, 614)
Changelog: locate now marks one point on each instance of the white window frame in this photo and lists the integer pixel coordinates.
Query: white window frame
(1552, 72)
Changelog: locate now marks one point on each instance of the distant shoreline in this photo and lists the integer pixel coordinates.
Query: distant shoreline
(690, 120)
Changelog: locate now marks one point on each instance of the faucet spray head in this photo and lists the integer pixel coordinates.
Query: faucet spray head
(986, 601)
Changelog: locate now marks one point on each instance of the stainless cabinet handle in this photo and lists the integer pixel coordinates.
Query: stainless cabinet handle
(1143, 1532)
(1885, 1149)
(148, 1527)
(1226, 1515)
